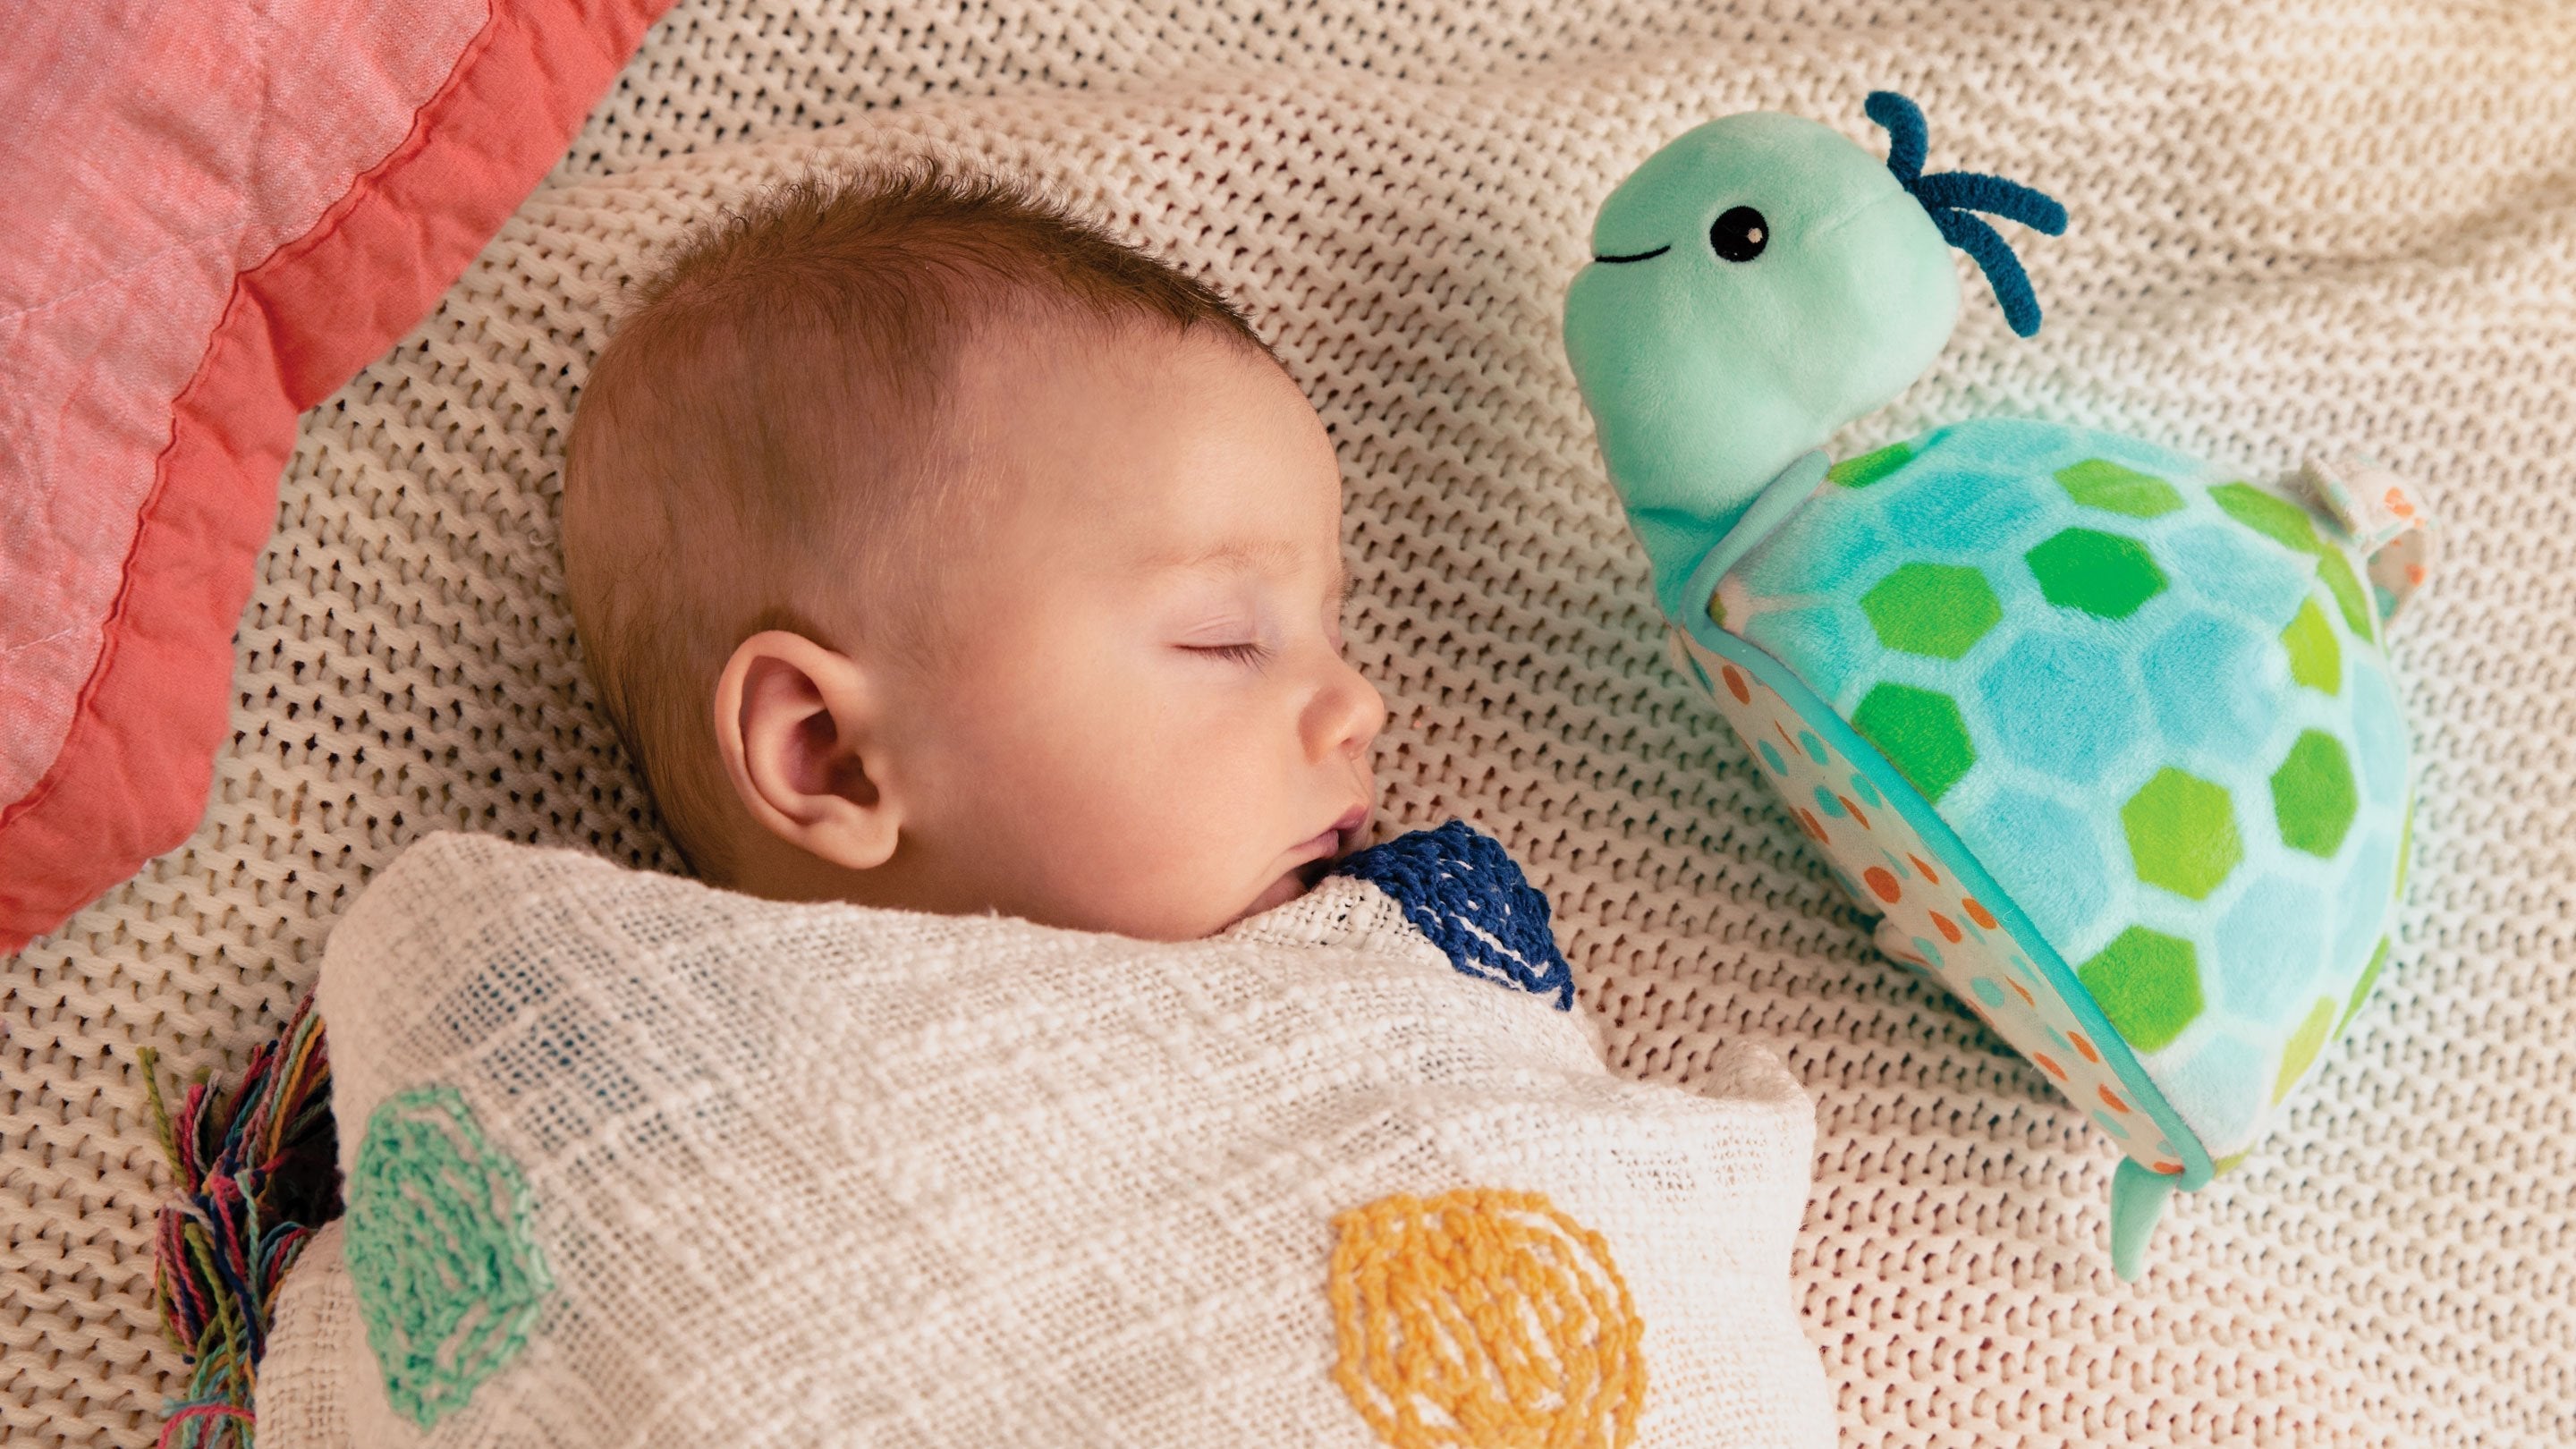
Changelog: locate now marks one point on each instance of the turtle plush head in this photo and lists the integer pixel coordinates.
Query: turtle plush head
(1758, 283)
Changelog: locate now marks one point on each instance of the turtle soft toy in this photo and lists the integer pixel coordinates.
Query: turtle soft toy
(2104, 734)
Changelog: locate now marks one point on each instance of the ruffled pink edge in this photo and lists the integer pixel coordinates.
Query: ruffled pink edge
(131, 779)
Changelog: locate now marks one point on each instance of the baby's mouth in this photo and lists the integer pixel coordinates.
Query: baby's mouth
(1331, 843)
(1320, 851)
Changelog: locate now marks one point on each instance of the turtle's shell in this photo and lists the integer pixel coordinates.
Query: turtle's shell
(2143, 769)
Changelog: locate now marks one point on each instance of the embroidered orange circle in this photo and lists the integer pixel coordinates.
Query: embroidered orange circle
(1484, 1318)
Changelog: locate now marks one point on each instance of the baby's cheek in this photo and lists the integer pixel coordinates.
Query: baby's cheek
(1158, 875)
(1140, 799)
(1173, 811)
(1181, 830)
(1075, 792)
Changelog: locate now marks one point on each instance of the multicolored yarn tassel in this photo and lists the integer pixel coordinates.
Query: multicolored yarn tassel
(257, 1169)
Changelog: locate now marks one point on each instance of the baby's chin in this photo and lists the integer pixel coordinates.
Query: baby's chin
(1279, 893)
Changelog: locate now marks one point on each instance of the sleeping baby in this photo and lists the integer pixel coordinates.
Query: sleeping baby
(933, 549)
(1045, 1070)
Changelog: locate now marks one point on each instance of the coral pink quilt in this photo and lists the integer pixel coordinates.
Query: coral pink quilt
(217, 214)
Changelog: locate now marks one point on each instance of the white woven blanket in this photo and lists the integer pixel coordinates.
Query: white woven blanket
(723, 1171)
(2295, 227)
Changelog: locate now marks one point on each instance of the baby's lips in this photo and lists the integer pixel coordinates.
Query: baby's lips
(1346, 835)
(1338, 839)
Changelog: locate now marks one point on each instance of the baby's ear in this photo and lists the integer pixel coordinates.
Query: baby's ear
(796, 723)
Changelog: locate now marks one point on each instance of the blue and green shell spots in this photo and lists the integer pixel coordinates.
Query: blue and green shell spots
(2151, 700)
(448, 1279)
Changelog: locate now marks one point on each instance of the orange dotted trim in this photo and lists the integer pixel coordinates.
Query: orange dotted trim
(1977, 912)
(1484, 1317)
(1881, 883)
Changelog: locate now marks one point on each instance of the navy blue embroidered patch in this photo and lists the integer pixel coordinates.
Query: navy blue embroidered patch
(1461, 889)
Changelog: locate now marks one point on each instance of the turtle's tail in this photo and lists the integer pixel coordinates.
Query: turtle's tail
(2137, 1201)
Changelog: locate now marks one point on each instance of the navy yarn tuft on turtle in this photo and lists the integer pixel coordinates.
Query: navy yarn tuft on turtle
(1952, 196)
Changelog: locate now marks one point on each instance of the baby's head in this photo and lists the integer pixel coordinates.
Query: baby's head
(933, 549)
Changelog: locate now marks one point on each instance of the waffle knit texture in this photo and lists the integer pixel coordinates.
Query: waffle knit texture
(800, 1175)
(2296, 229)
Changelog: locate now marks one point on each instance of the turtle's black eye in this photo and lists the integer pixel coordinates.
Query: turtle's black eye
(1739, 235)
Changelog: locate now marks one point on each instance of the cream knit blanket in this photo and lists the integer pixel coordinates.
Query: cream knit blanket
(2296, 227)
(633, 1162)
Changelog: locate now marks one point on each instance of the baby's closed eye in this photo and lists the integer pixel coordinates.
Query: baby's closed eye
(1230, 632)
(1241, 652)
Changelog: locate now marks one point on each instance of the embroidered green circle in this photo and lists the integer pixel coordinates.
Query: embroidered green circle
(448, 1278)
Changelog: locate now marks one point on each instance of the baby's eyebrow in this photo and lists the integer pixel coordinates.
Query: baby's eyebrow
(1240, 554)
(1237, 553)
(1270, 556)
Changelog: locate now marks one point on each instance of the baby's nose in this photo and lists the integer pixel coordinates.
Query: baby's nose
(1347, 714)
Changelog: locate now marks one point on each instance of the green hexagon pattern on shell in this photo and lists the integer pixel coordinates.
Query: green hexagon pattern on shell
(1934, 609)
(2150, 701)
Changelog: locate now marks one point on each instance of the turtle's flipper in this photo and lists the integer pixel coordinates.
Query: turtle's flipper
(2137, 1200)
(2377, 514)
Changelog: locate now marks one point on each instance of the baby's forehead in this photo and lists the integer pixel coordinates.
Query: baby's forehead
(1028, 334)
(1164, 449)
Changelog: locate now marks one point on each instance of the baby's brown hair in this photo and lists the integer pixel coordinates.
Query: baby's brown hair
(769, 420)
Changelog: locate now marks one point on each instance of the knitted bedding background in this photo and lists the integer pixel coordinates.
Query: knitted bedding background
(2296, 226)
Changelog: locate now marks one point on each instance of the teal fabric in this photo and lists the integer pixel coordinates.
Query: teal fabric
(1779, 498)
(1707, 377)
(2149, 718)
(2137, 1200)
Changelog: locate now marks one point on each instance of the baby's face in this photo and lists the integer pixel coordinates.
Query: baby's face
(1139, 719)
